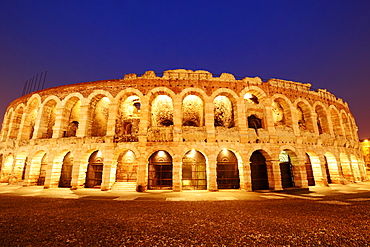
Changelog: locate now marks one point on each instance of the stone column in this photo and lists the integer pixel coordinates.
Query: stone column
(144, 120)
(112, 116)
(142, 173)
(85, 121)
(107, 172)
(242, 121)
(177, 119)
(300, 174)
(176, 175)
(274, 175)
(209, 120)
(58, 130)
(247, 185)
(212, 173)
(37, 132)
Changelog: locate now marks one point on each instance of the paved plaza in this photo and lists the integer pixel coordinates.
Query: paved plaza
(321, 216)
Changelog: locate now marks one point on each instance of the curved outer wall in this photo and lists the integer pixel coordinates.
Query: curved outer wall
(107, 134)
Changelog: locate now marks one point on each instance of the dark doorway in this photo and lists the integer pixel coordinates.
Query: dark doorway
(160, 171)
(42, 175)
(286, 175)
(309, 171)
(194, 176)
(259, 171)
(94, 175)
(227, 170)
(66, 172)
(24, 169)
(327, 171)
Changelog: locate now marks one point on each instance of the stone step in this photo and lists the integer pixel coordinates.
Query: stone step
(124, 186)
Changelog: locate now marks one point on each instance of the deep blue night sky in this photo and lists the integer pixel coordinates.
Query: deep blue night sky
(325, 43)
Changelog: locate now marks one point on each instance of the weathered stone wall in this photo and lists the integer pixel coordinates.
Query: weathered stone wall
(177, 112)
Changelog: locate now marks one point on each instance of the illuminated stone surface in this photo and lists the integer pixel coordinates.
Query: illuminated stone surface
(181, 130)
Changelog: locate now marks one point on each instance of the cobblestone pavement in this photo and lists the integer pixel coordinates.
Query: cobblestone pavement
(323, 216)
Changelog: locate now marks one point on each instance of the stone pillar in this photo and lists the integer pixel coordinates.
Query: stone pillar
(85, 121)
(53, 171)
(112, 116)
(176, 175)
(274, 175)
(270, 124)
(300, 174)
(247, 184)
(58, 130)
(295, 126)
(21, 133)
(209, 120)
(177, 119)
(38, 129)
(242, 121)
(212, 173)
(144, 120)
(142, 173)
(107, 173)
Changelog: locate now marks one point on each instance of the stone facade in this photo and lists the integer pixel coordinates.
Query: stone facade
(179, 131)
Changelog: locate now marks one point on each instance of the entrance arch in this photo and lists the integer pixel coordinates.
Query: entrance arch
(259, 171)
(286, 170)
(42, 174)
(94, 174)
(66, 172)
(194, 175)
(309, 171)
(160, 171)
(227, 170)
(126, 167)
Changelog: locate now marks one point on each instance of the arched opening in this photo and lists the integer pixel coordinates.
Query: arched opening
(309, 171)
(66, 172)
(162, 111)
(331, 167)
(47, 119)
(355, 168)
(254, 122)
(5, 129)
(192, 111)
(286, 170)
(346, 125)
(30, 119)
(16, 123)
(304, 117)
(99, 108)
(24, 168)
(160, 171)
(6, 169)
(94, 174)
(251, 98)
(227, 170)
(259, 175)
(326, 166)
(346, 167)
(322, 120)
(223, 112)
(128, 119)
(281, 113)
(126, 167)
(194, 175)
(336, 122)
(43, 167)
(71, 117)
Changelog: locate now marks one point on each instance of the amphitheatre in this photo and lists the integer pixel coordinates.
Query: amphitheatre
(180, 130)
